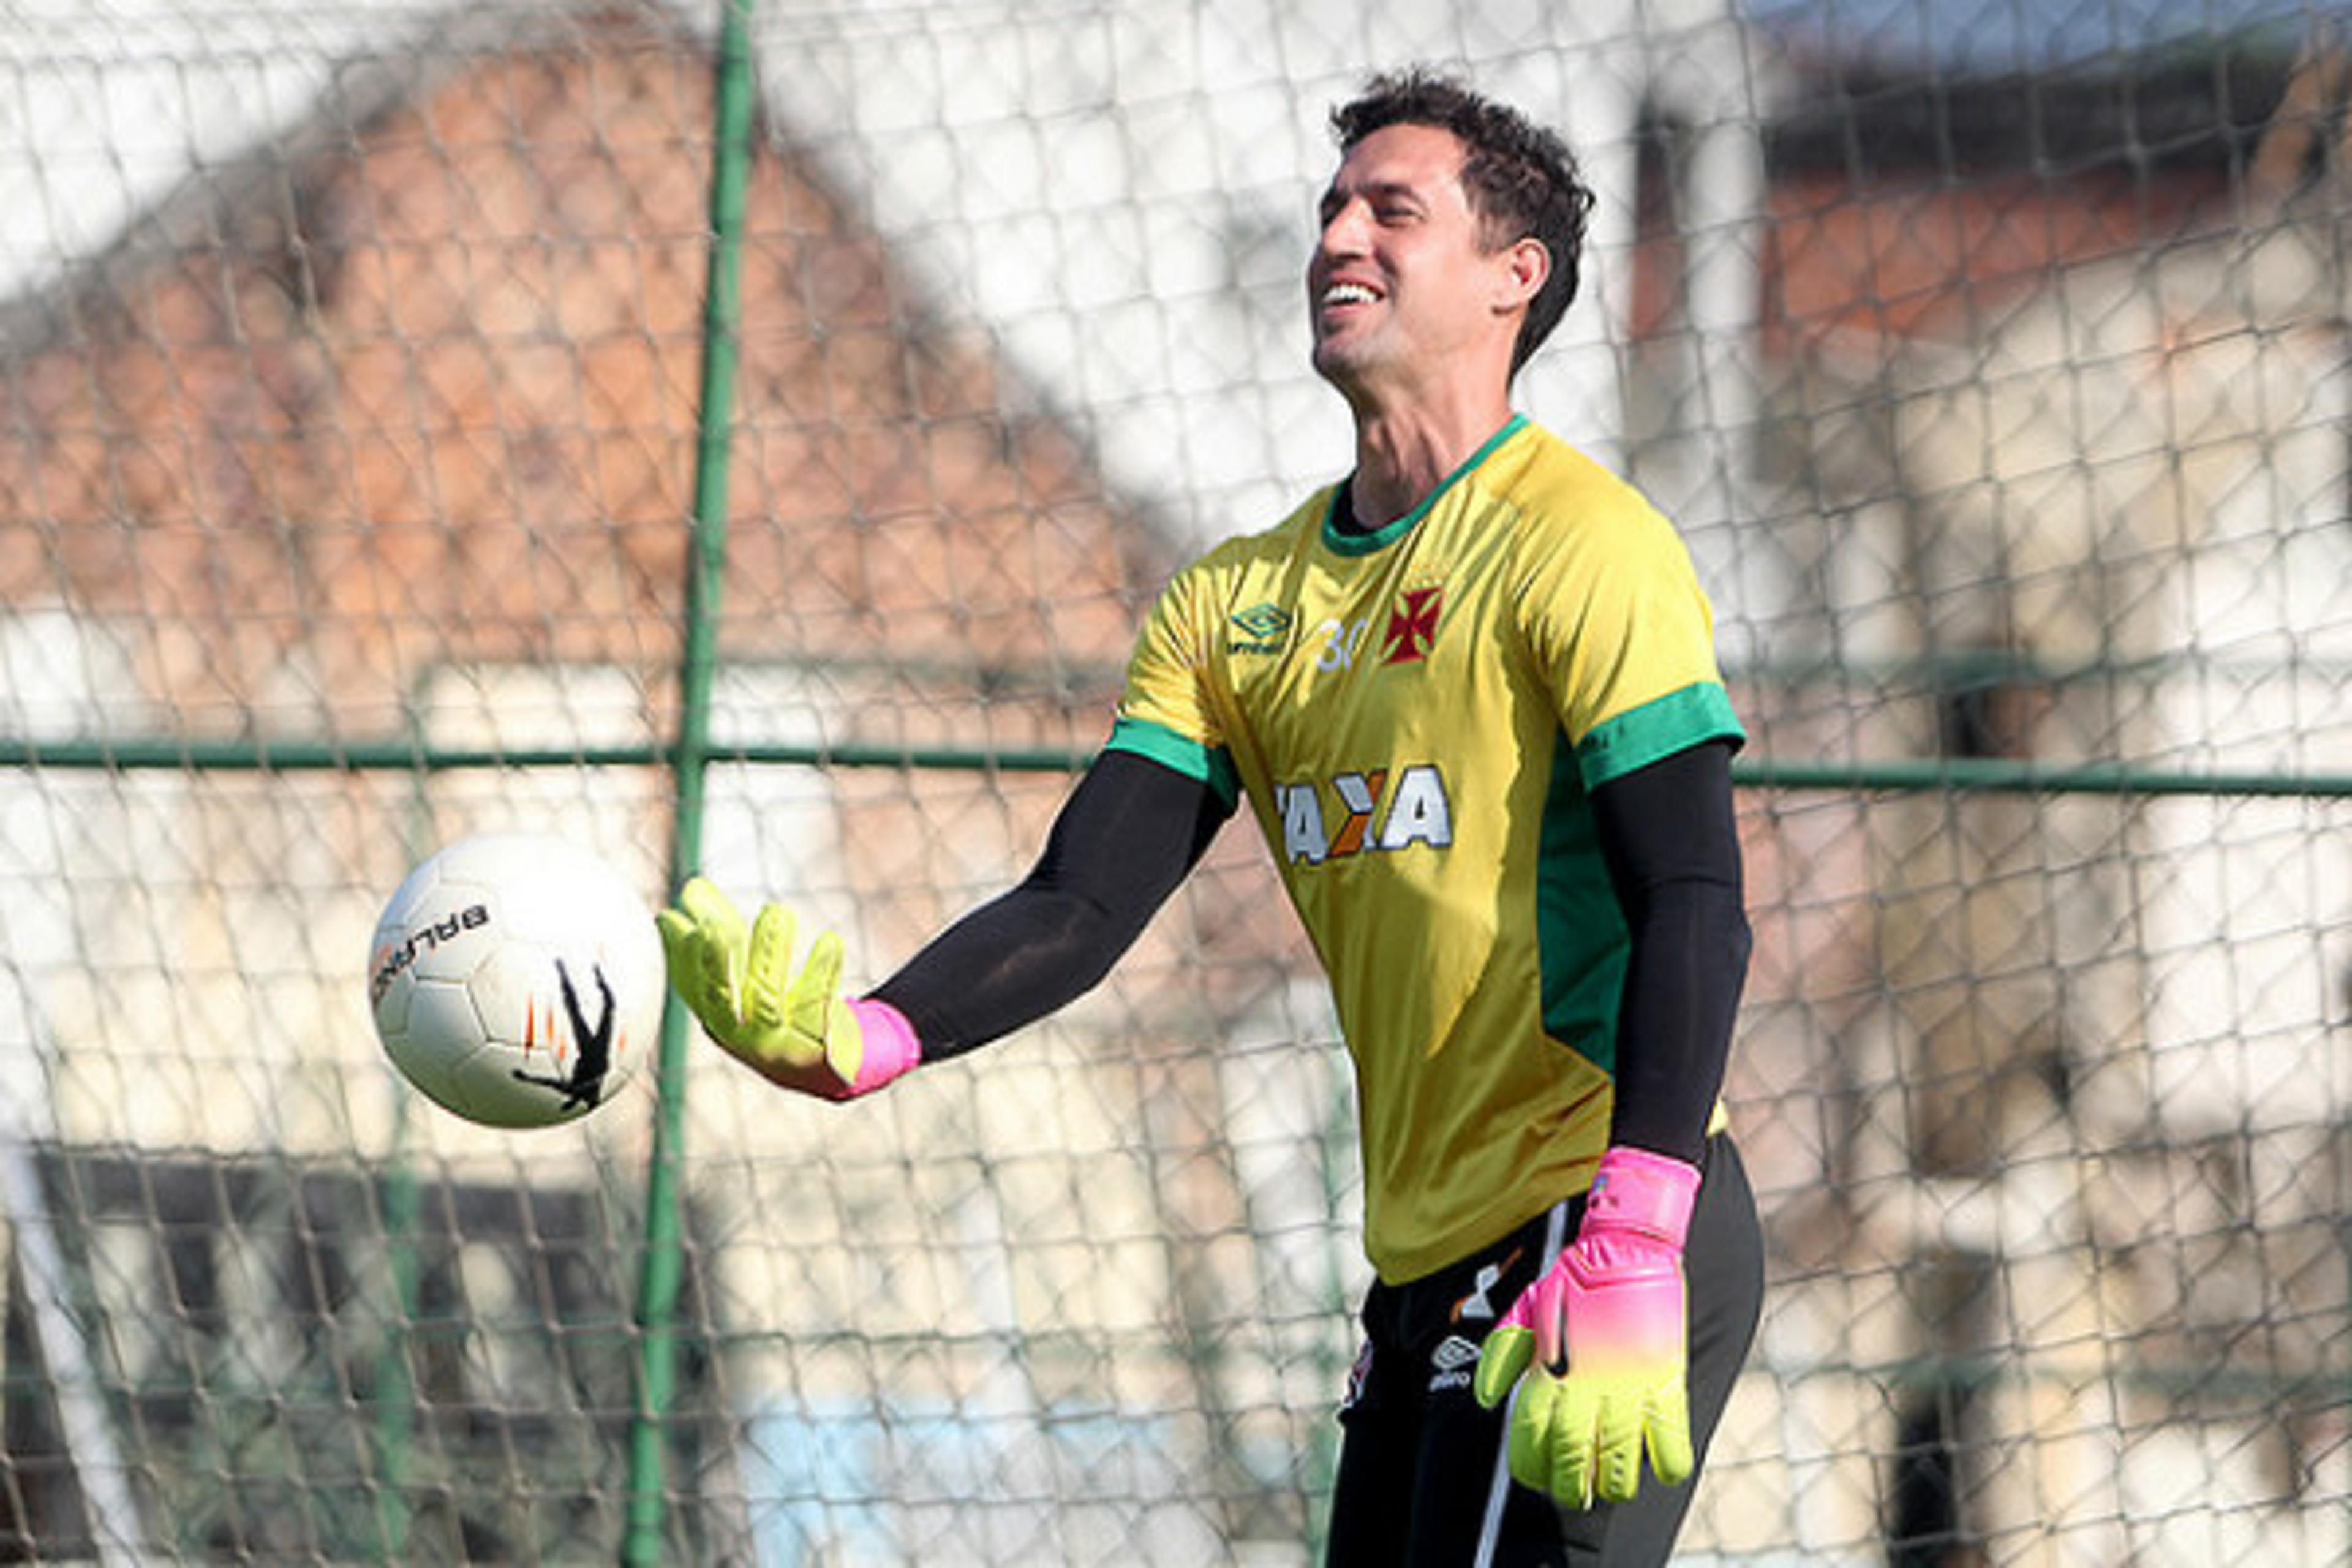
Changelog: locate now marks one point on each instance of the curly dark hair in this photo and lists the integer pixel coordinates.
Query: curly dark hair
(1520, 178)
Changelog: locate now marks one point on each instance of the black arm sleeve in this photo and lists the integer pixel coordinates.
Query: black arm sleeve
(1130, 833)
(1671, 844)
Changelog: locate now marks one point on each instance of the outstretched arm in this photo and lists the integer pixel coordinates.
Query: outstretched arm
(1126, 837)
(1130, 833)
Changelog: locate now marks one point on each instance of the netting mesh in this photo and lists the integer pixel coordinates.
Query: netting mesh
(1991, 362)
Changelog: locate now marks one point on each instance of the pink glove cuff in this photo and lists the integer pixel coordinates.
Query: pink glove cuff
(1639, 1191)
(891, 1048)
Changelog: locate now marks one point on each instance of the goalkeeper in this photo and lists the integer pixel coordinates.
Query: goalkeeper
(1469, 695)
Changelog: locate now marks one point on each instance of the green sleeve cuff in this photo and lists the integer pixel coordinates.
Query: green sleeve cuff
(1657, 730)
(1212, 765)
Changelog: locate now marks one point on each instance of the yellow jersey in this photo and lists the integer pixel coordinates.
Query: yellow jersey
(1416, 717)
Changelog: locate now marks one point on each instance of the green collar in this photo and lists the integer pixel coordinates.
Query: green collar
(1347, 542)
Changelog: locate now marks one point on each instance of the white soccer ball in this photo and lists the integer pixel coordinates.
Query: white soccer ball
(516, 979)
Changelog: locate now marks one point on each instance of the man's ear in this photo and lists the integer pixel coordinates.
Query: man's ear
(1526, 268)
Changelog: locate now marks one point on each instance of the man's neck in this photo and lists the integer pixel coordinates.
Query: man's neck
(1402, 457)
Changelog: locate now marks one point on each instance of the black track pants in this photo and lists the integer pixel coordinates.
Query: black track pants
(1422, 1477)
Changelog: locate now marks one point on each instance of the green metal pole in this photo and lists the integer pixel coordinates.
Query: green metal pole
(663, 1264)
(1897, 775)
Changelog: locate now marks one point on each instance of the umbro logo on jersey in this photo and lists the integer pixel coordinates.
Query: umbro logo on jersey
(1265, 628)
(1413, 626)
(1452, 1362)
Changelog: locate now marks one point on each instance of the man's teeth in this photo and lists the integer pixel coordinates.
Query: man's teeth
(1348, 294)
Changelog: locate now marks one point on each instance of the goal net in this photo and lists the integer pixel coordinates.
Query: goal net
(355, 465)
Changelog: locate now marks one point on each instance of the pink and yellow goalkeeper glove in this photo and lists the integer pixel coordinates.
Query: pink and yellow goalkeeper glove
(796, 1030)
(1596, 1346)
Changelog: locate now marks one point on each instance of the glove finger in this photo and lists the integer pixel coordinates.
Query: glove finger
(697, 969)
(1616, 1471)
(818, 1011)
(815, 987)
(767, 973)
(1671, 1453)
(1530, 1440)
(680, 947)
(712, 910)
(1501, 1360)
(1575, 1430)
(714, 955)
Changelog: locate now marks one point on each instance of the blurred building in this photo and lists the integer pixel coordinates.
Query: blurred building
(2059, 452)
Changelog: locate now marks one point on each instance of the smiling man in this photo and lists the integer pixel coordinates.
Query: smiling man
(1470, 696)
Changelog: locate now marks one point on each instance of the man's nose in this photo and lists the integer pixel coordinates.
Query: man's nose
(1343, 231)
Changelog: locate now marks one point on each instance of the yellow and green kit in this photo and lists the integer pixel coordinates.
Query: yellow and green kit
(1416, 717)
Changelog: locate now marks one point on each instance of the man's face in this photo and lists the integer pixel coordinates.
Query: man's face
(1398, 280)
